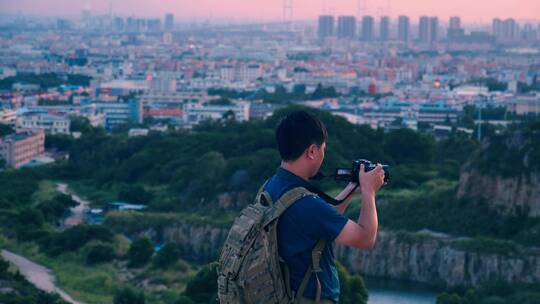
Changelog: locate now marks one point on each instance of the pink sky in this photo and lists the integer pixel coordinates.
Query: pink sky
(469, 10)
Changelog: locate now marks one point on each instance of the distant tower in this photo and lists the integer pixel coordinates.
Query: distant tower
(454, 29)
(384, 28)
(346, 28)
(455, 22)
(367, 28)
(326, 27)
(423, 29)
(169, 22)
(434, 29)
(403, 28)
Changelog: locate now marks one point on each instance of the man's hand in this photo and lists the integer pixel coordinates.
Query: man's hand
(372, 181)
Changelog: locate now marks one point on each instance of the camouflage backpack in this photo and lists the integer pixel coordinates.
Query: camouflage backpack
(250, 269)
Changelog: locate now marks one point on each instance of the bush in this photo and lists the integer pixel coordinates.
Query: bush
(203, 287)
(99, 253)
(352, 287)
(74, 238)
(167, 255)
(140, 252)
(128, 296)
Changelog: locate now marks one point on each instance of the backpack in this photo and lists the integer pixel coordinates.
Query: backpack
(250, 270)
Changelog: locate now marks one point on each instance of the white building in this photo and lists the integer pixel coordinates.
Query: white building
(196, 112)
(522, 105)
(52, 124)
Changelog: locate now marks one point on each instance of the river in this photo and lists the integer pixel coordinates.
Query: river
(397, 292)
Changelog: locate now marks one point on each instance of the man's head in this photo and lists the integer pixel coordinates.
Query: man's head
(301, 139)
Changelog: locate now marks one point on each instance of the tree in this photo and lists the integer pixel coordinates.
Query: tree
(203, 287)
(408, 146)
(99, 253)
(134, 194)
(140, 252)
(299, 89)
(128, 296)
(167, 255)
(5, 130)
(352, 288)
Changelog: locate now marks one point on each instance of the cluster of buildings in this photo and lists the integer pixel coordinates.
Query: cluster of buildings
(427, 31)
(162, 74)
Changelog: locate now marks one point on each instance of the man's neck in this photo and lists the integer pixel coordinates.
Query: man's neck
(296, 169)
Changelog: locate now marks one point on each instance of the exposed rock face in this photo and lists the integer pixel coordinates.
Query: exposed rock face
(201, 243)
(519, 195)
(430, 259)
(434, 261)
(505, 173)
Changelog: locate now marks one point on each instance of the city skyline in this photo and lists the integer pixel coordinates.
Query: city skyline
(242, 10)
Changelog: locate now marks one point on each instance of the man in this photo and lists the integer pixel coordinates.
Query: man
(301, 139)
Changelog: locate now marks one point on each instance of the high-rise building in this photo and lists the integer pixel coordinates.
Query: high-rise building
(346, 27)
(423, 29)
(384, 28)
(367, 28)
(510, 30)
(428, 29)
(434, 29)
(403, 28)
(326, 26)
(169, 22)
(455, 32)
(455, 23)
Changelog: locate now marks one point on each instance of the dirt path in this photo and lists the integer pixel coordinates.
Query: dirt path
(77, 213)
(36, 274)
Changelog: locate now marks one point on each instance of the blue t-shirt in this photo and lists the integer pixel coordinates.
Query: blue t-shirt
(300, 227)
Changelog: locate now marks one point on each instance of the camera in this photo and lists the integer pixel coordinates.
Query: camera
(351, 174)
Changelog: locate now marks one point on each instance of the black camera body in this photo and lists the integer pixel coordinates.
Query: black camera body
(351, 174)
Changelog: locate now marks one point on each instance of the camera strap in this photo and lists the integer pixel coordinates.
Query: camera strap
(328, 198)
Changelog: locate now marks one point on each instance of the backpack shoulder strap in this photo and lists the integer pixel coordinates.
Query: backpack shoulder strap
(314, 268)
(285, 201)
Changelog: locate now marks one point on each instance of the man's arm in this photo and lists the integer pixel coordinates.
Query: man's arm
(343, 206)
(363, 233)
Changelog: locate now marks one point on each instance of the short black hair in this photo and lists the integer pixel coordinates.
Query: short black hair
(297, 131)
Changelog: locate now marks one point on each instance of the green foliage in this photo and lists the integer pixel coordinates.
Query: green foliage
(99, 253)
(129, 296)
(52, 102)
(74, 238)
(491, 83)
(167, 255)
(509, 155)
(203, 287)
(80, 124)
(140, 252)
(495, 292)
(352, 287)
(446, 298)
(486, 245)
(55, 208)
(134, 194)
(5, 130)
(45, 80)
(407, 146)
(61, 142)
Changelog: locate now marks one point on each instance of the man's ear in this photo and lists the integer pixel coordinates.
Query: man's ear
(310, 151)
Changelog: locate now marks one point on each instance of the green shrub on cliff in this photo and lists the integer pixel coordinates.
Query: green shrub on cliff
(140, 252)
(352, 287)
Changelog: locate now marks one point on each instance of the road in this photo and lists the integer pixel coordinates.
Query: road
(36, 274)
